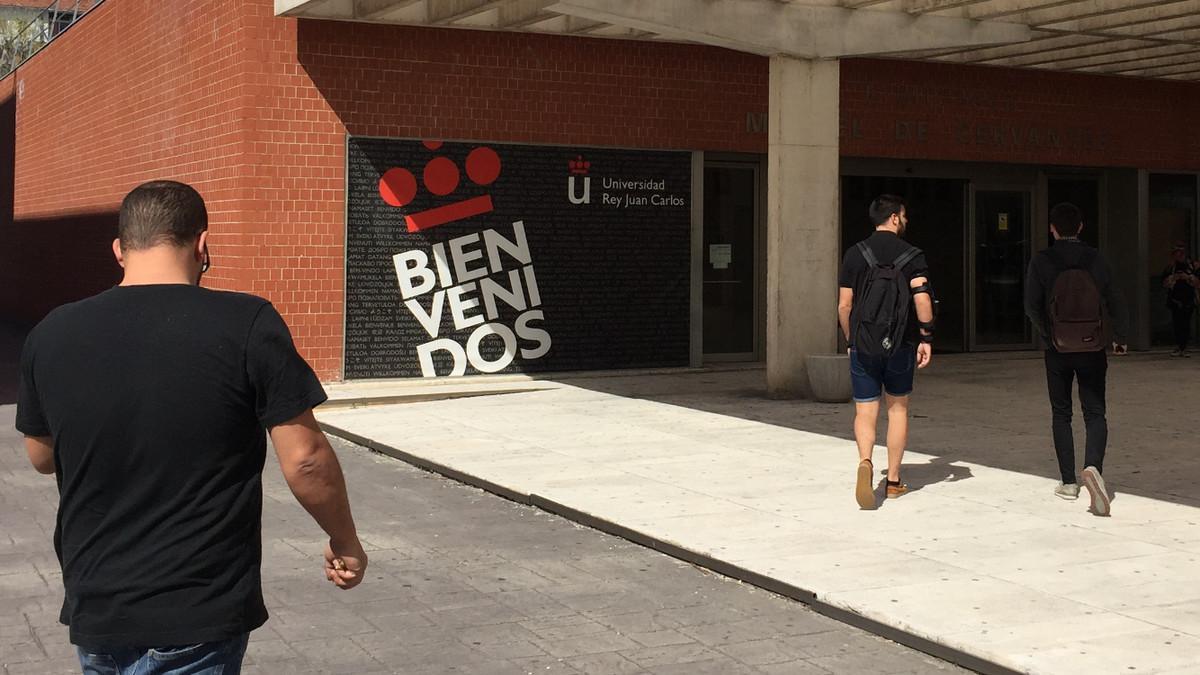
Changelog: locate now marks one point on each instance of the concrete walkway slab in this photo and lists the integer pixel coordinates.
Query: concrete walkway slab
(979, 558)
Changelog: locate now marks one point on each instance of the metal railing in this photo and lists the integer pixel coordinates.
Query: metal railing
(24, 35)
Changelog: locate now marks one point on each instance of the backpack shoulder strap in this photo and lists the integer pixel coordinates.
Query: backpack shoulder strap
(906, 257)
(868, 254)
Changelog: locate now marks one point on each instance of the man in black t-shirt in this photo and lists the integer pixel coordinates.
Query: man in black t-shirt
(149, 403)
(872, 376)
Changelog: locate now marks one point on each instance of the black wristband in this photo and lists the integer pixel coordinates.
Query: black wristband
(927, 339)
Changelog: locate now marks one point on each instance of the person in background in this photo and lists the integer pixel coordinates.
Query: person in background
(1181, 278)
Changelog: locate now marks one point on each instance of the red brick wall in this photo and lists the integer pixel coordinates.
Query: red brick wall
(408, 82)
(914, 110)
(35, 4)
(254, 110)
(292, 237)
(310, 83)
(129, 94)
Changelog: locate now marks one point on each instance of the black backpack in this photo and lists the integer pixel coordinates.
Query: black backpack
(880, 313)
(1075, 308)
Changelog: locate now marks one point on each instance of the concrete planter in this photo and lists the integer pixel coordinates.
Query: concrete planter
(829, 377)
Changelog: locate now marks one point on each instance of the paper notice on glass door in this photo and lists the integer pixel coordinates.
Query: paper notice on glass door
(720, 255)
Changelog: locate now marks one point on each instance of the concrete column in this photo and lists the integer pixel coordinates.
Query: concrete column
(803, 211)
(696, 352)
(1126, 245)
(1139, 305)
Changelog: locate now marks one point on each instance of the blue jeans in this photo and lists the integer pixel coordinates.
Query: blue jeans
(871, 376)
(209, 658)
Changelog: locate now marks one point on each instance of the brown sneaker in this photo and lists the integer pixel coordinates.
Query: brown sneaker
(897, 490)
(863, 490)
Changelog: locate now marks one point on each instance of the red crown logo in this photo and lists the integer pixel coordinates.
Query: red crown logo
(398, 187)
(579, 166)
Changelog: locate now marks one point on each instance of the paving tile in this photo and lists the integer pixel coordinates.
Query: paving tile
(719, 666)
(587, 644)
(335, 653)
(762, 652)
(604, 664)
(798, 667)
(653, 657)
(661, 638)
(545, 665)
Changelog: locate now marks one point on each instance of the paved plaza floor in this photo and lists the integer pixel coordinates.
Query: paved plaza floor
(460, 581)
(980, 559)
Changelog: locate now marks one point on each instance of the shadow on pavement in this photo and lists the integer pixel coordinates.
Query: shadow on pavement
(983, 409)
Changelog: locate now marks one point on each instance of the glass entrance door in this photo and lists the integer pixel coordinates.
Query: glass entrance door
(1001, 247)
(730, 261)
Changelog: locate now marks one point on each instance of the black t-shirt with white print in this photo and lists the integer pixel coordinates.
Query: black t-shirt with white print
(157, 399)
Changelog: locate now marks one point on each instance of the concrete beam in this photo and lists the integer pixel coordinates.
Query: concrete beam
(357, 10)
(449, 11)
(375, 10)
(1081, 55)
(1056, 13)
(923, 6)
(286, 7)
(767, 27)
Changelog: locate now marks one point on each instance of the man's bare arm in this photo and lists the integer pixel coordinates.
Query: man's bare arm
(312, 471)
(845, 304)
(41, 453)
(923, 302)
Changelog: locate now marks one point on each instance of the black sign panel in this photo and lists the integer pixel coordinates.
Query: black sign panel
(465, 258)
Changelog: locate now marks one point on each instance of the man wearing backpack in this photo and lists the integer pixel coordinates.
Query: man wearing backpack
(1068, 293)
(883, 278)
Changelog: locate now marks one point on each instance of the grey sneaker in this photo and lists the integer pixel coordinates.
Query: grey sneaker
(1094, 482)
(1067, 491)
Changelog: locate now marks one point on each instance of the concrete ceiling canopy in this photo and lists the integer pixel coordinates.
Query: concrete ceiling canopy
(1141, 38)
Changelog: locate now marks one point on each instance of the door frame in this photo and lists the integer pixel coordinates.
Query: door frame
(971, 243)
(758, 164)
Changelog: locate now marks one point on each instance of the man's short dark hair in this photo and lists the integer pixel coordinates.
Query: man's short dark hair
(1067, 219)
(161, 212)
(884, 207)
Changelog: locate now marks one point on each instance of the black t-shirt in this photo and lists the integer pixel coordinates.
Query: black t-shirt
(887, 247)
(157, 398)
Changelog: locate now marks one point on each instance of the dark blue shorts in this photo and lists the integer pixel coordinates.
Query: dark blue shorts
(871, 376)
